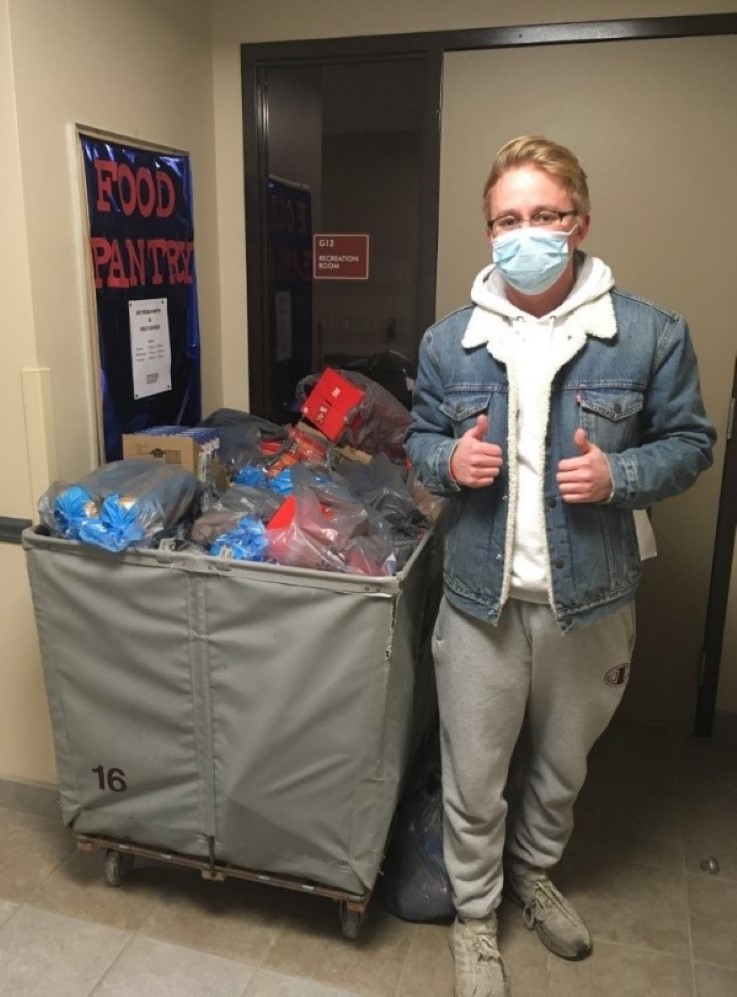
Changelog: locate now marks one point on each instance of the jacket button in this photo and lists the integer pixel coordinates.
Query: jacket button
(559, 562)
(617, 408)
(552, 503)
(548, 441)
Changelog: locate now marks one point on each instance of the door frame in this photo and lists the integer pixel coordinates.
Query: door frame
(721, 573)
(256, 58)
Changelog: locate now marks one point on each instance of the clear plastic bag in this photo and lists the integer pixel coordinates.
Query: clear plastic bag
(431, 506)
(231, 507)
(64, 507)
(130, 503)
(415, 882)
(384, 487)
(380, 422)
(327, 519)
(261, 503)
(213, 524)
(245, 542)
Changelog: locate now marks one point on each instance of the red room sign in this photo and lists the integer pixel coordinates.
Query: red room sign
(340, 256)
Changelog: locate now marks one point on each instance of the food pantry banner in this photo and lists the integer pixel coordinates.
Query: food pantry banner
(140, 210)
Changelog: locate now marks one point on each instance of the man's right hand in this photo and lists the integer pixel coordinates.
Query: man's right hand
(475, 463)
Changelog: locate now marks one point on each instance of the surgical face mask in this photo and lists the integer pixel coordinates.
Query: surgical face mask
(531, 259)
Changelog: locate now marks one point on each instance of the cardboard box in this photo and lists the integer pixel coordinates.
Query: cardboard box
(183, 451)
(332, 403)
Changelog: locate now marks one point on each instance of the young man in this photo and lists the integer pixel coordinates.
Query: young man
(548, 410)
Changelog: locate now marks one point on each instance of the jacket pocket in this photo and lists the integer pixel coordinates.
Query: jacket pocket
(611, 417)
(463, 408)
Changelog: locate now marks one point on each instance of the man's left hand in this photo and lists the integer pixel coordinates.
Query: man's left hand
(586, 478)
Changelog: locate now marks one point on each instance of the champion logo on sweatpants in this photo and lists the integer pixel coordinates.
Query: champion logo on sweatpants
(617, 675)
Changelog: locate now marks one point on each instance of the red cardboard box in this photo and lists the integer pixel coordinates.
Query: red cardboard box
(332, 403)
(284, 515)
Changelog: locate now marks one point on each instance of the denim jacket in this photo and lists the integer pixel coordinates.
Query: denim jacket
(636, 394)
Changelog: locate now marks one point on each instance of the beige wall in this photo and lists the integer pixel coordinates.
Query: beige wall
(18, 343)
(141, 69)
(25, 739)
(149, 69)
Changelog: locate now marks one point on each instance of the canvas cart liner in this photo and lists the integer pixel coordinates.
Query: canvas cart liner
(236, 712)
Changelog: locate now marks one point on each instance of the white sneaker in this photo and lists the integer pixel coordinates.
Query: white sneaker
(479, 970)
(545, 909)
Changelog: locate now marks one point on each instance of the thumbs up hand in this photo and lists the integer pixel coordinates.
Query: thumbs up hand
(476, 463)
(585, 478)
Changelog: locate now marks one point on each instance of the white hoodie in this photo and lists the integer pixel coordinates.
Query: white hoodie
(533, 350)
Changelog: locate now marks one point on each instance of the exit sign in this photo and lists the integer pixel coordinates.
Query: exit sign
(340, 256)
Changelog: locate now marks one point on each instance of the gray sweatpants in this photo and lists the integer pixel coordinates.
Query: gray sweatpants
(488, 677)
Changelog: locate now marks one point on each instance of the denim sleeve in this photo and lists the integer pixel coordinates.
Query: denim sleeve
(677, 435)
(430, 440)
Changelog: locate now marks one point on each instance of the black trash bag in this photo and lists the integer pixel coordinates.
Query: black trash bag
(241, 437)
(415, 882)
(383, 486)
(393, 371)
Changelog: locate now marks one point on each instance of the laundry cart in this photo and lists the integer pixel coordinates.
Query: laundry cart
(245, 719)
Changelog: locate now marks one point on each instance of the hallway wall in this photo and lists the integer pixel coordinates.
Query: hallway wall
(138, 69)
(166, 71)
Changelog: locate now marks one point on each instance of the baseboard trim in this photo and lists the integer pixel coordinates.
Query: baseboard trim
(30, 798)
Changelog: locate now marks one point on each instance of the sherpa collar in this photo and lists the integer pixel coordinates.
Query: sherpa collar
(588, 311)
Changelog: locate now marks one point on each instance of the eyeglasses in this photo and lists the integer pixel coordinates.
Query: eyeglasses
(544, 218)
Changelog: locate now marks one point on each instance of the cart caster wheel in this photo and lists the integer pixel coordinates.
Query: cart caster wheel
(117, 867)
(350, 921)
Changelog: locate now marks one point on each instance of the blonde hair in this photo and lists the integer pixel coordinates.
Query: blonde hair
(551, 158)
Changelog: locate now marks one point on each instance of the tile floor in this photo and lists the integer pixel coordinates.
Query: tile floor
(655, 805)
